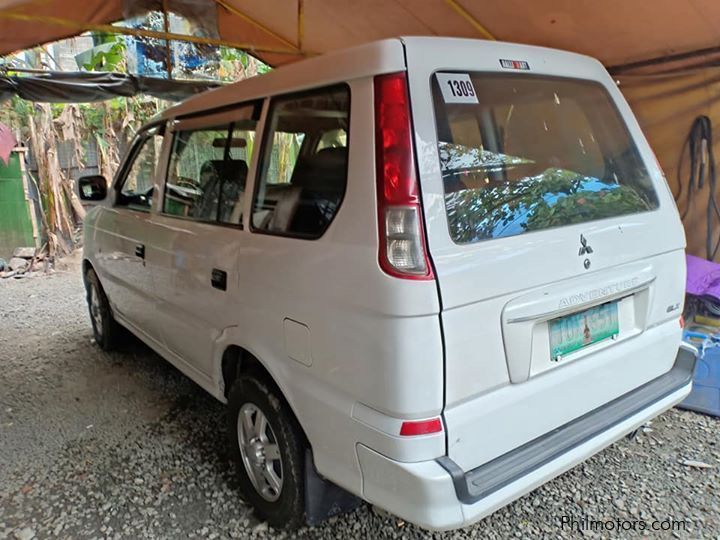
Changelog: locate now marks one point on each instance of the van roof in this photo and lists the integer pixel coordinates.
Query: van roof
(373, 58)
(382, 56)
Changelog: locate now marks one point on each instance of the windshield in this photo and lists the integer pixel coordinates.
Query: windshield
(523, 153)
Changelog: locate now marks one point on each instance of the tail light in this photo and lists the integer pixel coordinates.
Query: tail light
(402, 236)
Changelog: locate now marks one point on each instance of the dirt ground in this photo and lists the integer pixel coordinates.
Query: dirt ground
(121, 445)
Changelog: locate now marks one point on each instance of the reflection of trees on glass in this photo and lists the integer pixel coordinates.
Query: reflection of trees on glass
(536, 153)
(553, 198)
(457, 157)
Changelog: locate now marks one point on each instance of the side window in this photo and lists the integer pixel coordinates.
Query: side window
(303, 172)
(208, 169)
(136, 189)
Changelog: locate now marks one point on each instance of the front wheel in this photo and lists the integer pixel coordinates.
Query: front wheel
(268, 448)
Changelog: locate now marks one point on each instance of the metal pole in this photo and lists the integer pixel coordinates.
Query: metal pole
(168, 51)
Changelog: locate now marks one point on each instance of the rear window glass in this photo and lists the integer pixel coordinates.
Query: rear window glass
(531, 153)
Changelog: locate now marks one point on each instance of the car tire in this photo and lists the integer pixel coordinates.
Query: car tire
(106, 330)
(268, 448)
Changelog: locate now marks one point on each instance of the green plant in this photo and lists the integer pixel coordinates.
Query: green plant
(108, 56)
(236, 65)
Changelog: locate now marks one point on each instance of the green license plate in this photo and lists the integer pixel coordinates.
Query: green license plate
(573, 332)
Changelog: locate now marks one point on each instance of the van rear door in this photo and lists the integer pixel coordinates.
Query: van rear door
(556, 244)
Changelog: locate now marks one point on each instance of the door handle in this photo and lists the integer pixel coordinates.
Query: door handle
(218, 279)
(140, 251)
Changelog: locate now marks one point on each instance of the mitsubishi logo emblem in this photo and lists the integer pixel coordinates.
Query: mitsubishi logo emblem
(585, 249)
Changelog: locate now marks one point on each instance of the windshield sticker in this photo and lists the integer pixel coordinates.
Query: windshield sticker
(457, 88)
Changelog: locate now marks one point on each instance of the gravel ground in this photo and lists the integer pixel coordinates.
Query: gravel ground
(121, 445)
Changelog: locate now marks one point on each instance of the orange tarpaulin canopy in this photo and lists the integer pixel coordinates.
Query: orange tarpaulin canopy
(282, 31)
(617, 32)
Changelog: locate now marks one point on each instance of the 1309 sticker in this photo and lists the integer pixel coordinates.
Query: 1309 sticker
(457, 88)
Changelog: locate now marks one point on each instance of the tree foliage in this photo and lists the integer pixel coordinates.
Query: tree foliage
(107, 126)
(108, 56)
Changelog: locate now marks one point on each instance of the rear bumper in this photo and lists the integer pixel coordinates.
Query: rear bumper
(439, 495)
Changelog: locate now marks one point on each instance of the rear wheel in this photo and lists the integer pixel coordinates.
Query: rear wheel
(268, 448)
(105, 328)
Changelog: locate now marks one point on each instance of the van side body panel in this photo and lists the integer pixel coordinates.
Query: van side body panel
(374, 350)
(374, 341)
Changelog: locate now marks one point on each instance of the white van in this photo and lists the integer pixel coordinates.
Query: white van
(431, 273)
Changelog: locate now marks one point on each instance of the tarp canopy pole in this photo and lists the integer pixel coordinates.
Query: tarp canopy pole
(235, 11)
(300, 23)
(465, 14)
(666, 59)
(166, 28)
(138, 32)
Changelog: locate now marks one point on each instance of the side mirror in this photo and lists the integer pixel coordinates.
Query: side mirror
(92, 188)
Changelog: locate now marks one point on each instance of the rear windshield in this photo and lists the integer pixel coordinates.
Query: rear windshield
(524, 153)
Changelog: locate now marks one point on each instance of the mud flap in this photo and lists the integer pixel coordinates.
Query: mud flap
(323, 499)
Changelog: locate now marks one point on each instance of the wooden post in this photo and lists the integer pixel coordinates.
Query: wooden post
(300, 24)
(21, 151)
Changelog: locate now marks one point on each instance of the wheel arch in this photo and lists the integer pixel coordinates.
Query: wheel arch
(236, 361)
(86, 265)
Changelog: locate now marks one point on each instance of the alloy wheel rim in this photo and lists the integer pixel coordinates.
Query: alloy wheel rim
(260, 452)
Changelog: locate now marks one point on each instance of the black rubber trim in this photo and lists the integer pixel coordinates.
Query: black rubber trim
(471, 486)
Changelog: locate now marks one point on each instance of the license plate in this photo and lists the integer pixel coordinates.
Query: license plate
(574, 332)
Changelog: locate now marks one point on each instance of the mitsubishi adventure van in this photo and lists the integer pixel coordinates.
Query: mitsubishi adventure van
(426, 273)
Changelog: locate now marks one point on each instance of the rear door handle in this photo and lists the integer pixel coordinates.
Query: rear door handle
(140, 251)
(219, 279)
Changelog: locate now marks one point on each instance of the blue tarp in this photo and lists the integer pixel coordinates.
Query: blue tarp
(705, 396)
